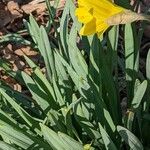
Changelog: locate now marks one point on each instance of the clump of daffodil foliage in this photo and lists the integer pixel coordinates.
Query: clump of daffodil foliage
(76, 104)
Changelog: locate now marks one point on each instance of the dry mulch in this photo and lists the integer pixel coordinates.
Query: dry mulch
(12, 13)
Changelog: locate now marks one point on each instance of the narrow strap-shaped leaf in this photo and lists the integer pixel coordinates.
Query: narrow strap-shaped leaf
(129, 59)
(139, 95)
(69, 142)
(46, 51)
(23, 114)
(52, 138)
(109, 145)
(130, 138)
(6, 146)
(38, 94)
(148, 66)
(15, 136)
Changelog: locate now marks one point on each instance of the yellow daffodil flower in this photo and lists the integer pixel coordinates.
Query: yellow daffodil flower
(98, 15)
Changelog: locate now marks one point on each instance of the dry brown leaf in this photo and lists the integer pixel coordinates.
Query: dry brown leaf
(20, 65)
(9, 12)
(5, 16)
(28, 8)
(28, 71)
(39, 6)
(25, 51)
(14, 9)
(12, 83)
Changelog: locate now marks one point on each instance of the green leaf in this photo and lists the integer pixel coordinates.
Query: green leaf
(83, 121)
(79, 81)
(33, 29)
(72, 9)
(75, 55)
(14, 38)
(146, 117)
(113, 37)
(69, 142)
(89, 93)
(15, 136)
(129, 59)
(8, 122)
(112, 42)
(61, 71)
(64, 28)
(43, 84)
(95, 64)
(105, 75)
(130, 138)
(60, 140)
(56, 121)
(22, 99)
(147, 66)
(58, 95)
(38, 94)
(32, 122)
(47, 53)
(107, 140)
(139, 95)
(6, 146)
(52, 138)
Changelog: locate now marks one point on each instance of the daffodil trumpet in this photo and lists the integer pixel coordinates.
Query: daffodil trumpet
(97, 16)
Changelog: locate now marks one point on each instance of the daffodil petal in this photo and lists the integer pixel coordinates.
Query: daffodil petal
(102, 31)
(101, 26)
(83, 15)
(89, 28)
(101, 8)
